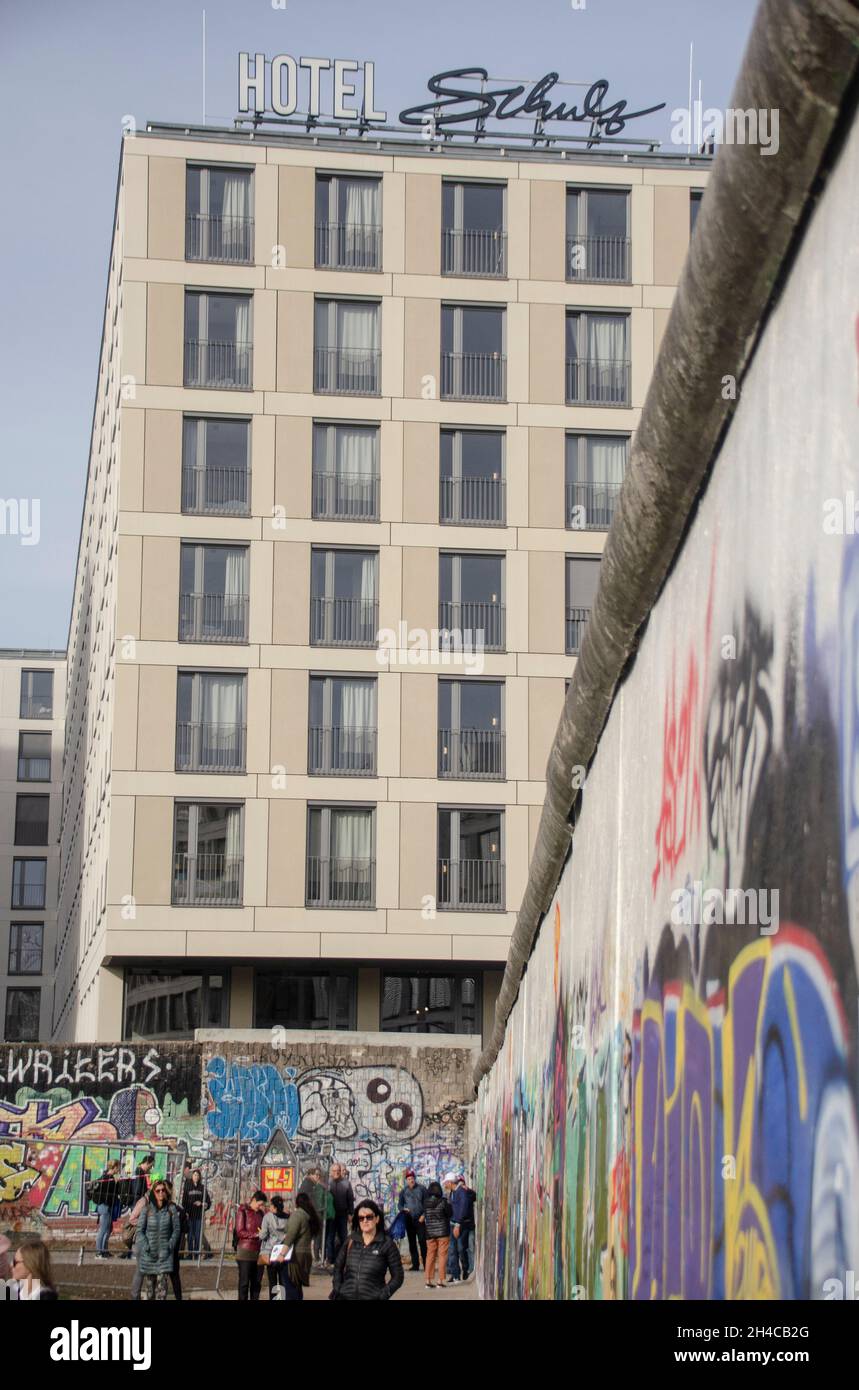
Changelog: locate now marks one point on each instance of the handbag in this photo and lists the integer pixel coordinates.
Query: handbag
(397, 1228)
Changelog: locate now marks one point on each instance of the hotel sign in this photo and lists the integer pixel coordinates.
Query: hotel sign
(451, 105)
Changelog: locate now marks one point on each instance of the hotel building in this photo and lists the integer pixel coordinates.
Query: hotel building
(350, 385)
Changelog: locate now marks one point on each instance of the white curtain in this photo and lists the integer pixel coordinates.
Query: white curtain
(234, 587)
(360, 216)
(243, 340)
(357, 718)
(606, 338)
(606, 460)
(351, 835)
(358, 326)
(221, 698)
(235, 210)
(355, 467)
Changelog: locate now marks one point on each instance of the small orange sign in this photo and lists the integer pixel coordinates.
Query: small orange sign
(278, 1179)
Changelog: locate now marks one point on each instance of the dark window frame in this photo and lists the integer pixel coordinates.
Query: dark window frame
(307, 971)
(15, 951)
(22, 990)
(387, 972)
(190, 969)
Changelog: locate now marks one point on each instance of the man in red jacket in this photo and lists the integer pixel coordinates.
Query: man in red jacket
(247, 1228)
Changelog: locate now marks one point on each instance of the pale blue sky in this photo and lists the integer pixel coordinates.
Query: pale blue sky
(71, 69)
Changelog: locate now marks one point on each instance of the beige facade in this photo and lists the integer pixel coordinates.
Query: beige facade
(156, 645)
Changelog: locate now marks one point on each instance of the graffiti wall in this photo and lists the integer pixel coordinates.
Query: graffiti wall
(673, 1113)
(229, 1107)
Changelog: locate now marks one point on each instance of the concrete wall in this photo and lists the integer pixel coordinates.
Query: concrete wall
(673, 1113)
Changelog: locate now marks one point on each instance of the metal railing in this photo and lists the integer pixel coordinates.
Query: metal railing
(594, 502)
(471, 753)
(474, 251)
(209, 237)
(34, 708)
(28, 895)
(474, 622)
(473, 376)
(597, 381)
(471, 885)
(203, 880)
(603, 258)
(340, 882)
(227, 366)
(347, 371)
(576, 622)
(341, 751)
(213, 618)
(348, 246)
(343, 622)
(346, 496)
(472, 501)
(206, 747)
(223, 489)
(34, 769)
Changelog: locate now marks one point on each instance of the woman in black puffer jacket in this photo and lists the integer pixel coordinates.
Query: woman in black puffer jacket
(366, 1258)
(437, 1214)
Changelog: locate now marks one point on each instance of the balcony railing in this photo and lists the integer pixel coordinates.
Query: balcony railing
(32, 707)
(474, 251)
(347, 371)
(212, 238)
(223, 490)
(213, 618)
(473, 376)
(593, 503)
(341, 752)
(346, 496)
(603, 258)
(471, 753)
(226, 366)
(597, 381)
(472, 501)
(341, 882)
(34, 769)
(471, 885)
(28, 896)
(473, 623)
(204, 747)
(207, 880)
(348, 246)
(343, 622)
(576, 622)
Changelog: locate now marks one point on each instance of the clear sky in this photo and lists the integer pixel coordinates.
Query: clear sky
(72, 69)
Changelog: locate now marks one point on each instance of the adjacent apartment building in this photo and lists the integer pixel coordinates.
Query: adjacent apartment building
(363, 412)
(32, 706)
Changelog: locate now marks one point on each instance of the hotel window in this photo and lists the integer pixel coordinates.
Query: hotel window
(471, 606)
(471, 729)
(208, 861)
(470, 859)
(219, 222)
(210, 722)
(342, 729)
(341, 856)
(344, 608)
(22, 1015)
(34, 757)
(695, 197)
(471, 482)
(348, 222)
(31, 819)
(216, 466)
(305, 999)
(28, 883)
(347, 358)
(218, 343)
(170, 1004)
(473, 364)
(598, 234)
(424, 1003)
(346, 472)
(473, 240)
(37, 694)
(595, 465)
(213, 593)
(597, 358)
(583, 574)
(25, 948)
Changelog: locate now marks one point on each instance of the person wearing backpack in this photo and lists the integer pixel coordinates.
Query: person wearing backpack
(247, 1243)
(437, 1214)
(105, 1195)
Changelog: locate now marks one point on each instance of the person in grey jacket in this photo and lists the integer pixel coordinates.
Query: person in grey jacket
(272, 1233)
(158, 1232)
(411, 1205)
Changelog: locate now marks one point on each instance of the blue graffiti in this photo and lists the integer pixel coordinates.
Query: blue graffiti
(250, 1102)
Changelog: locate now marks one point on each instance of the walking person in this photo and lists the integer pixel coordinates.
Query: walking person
(158, 1232)
(437, 1213)
(105, 1194)
(452, 1268)
(344, 1208)
(196, 1202)
(273, 1237)
(314, 1188)
(301, 1228)
(462, 1203)
(412, 1206)
(175, 1276)
(365, 1258)
(32, 1268)
(248, 1225)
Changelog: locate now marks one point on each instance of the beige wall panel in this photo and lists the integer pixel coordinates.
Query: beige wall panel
(162, 453)
(547, 354)
(133, 337)
(264, 319)
(423, 224)
(660, 323)
(480, 948)
(546, 477)
(120, 858)
(394, 222)
(387, 854)
(123, 752)
(390, 587)
(420, 587)
(291, 606)
(159, 617)
(294, 341)
(392, 341)
(166, 209)
(670, 233)
(157, 719)
(262, 465)
(391, 470)
(546, 607)
(131, 460)
(293, 464)
(297, 196)
(109, 996)
(287, 840)
(545, 701)
(418, 725)
(261, 588)
(641, 356)
(289, 708)
(420, 471)
(130, 559)
(135, 189)
(641, 234)
(257, 851)
(516, 583)
(165, 317)
(516, 727)
(548, 230)
(517, 329)
(388, 707)
(418, 839)
(265, 208)
(518, 228)
(422, 355)
(153, 850)
(258, 717)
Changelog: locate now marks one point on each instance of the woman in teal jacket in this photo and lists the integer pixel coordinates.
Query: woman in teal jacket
(158, 1232)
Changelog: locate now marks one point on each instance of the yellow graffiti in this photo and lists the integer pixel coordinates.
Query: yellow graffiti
(15, 1177)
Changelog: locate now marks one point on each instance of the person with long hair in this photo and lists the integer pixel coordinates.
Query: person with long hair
(32, 1268)
(366, 1258)
(272, 1237)
(105, 1194)
(437, 1214)
(158, 1232)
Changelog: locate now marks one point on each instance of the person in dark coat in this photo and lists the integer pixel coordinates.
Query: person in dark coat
(105, 1194)
(157, 1241)
(196, 1201)
(462, 1203)
(365, 1259)
(248, 1227)
(344, 1209)
(437, 1214)
(412, 1206)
